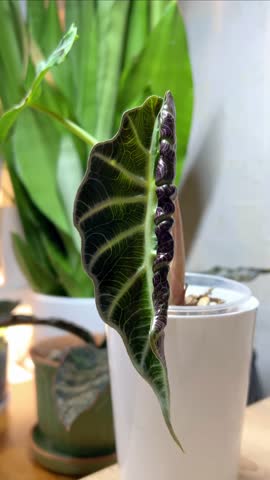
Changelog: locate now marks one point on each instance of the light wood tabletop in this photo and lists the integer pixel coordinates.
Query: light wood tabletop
(15, 459)
(16, 463)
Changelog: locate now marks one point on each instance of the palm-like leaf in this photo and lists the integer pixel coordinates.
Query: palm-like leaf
(123, 212)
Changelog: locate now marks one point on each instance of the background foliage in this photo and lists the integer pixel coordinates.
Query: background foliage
(126, 50)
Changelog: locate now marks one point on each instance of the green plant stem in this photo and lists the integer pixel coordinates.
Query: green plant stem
(68, 124)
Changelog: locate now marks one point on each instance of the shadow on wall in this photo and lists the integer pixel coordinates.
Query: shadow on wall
(201, 179)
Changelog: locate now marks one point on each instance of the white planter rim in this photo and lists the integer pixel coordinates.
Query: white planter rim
(53, 299)
(233, 293)
(236, 295)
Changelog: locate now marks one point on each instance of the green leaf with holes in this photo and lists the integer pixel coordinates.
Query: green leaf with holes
(114, 213)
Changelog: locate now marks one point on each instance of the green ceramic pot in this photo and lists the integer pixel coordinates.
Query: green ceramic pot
(92, 434)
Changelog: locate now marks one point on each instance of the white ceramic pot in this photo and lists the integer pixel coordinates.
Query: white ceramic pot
(81, 311)
(208, 355)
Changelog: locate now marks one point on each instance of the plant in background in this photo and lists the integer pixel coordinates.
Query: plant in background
(83, 372)
(73, 391)
(126, 51)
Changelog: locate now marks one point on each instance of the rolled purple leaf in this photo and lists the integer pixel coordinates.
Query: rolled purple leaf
(166, 193)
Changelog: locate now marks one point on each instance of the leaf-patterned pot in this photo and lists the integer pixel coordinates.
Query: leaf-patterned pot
(92, 433)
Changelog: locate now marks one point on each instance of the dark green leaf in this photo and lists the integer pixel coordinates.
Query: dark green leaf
(114, 212)
(57, 57)
(36, 16)
(6, 307)
(69, 175)
(40, 233)
(138, 30)
(37, 166)
(80, 380)
(10, 53)
(40, 279)
(112, 18)
(163, 65)
(73, 279)
(83, 60)
(33, 221)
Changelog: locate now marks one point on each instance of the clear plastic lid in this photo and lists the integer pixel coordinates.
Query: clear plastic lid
(232, 294)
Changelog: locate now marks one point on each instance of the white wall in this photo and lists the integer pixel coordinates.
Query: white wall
(230, 143)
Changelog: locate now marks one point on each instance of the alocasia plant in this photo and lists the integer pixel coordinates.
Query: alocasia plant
(124, 213)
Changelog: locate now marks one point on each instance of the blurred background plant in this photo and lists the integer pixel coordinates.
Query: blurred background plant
(125, 51)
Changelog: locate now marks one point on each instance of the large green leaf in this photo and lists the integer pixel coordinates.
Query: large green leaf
(72, 278)
(115, 214)
(38, 276)
(84, 62)
(157, 10)
(44, 24)
(138, 30)
(10, 53)
(112, 17)
(164, 64)
(37, 165)
(34, 223)
(36, 11)
(69, 175)
(57, 57)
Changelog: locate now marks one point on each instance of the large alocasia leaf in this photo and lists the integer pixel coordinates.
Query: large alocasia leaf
(123, 212)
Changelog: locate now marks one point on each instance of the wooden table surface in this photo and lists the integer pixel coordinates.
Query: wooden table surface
(16, 464)
(15, 459)
(255, 459)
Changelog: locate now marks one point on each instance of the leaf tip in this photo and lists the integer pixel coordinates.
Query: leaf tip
(172, 432)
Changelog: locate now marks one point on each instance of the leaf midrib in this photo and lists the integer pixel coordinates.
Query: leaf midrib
(149, 221)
